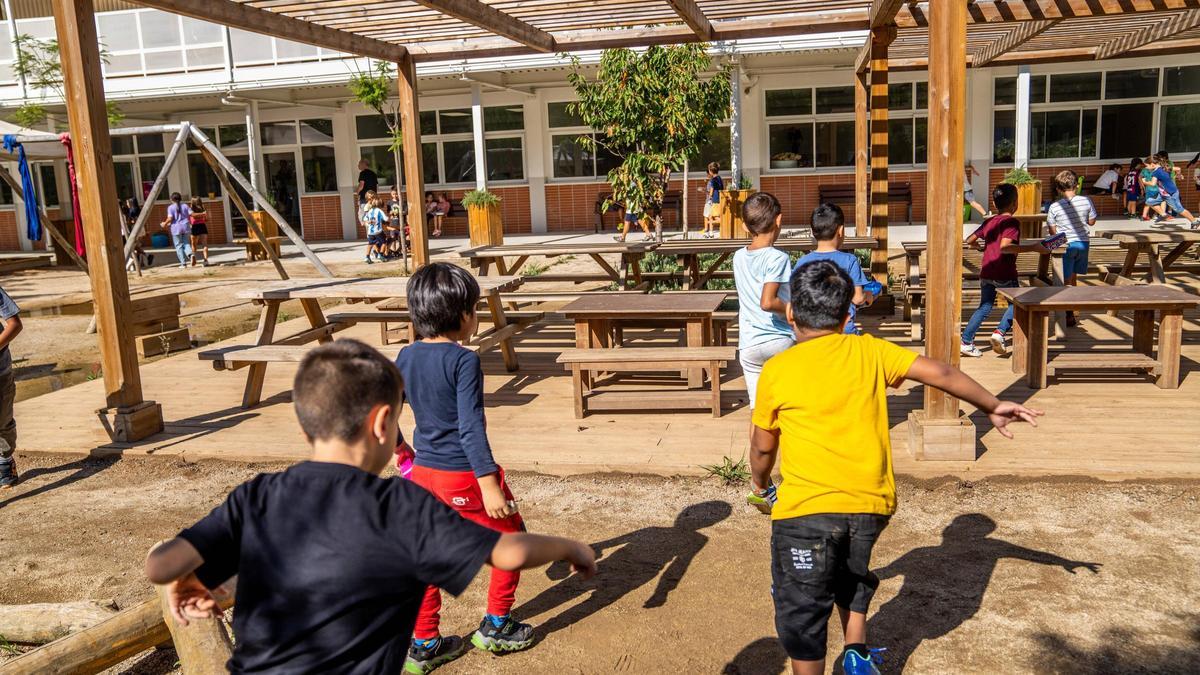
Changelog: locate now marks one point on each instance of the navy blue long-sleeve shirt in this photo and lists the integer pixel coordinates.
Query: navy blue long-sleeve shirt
(443, 382)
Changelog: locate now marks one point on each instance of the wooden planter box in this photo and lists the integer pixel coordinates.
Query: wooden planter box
(731, 213)
(1029, 198)
(485, 226)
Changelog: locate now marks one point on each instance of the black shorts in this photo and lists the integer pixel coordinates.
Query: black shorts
(817, 561)
(199, 229)
(375, 239)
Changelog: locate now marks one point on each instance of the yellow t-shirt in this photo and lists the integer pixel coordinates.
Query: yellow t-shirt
(828, 398)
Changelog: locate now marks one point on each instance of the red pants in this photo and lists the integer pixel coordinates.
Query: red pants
(460, 491)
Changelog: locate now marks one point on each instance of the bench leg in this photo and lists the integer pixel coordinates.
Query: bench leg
(714, 376)
(917, 322)
(499, 321)
(1143, 332)
(316, 317)
(1039, 329)
(577, 387)
(258, 371)
(1020, 349)
(583, 333)
(1170, 336)
(695, 338)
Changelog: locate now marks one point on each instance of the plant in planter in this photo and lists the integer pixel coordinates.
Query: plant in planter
(731, 208)
(483, 218)
(1029, 189)
(653, 109)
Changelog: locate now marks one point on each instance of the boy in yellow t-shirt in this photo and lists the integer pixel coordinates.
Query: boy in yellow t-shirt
(822, 407)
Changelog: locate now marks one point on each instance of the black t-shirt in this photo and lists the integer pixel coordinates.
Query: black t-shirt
(332, 564)
(369, 180)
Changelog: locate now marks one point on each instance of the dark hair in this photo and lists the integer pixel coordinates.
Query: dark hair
(821, 295)
(826, 219)
(1114, 165)
(714, 167)
(1136, 164)
(760, 212)
(176, 197)
(1162, 157)
(1004, 196)
(438, 296)
(197, 205)
(338, 384)
(1066, 180)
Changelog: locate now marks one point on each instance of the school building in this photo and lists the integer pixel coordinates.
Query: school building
(794, 99)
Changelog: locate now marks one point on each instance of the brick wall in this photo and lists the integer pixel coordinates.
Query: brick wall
(570, 207)
(322, 217)
(9, 241)
(1104, 205)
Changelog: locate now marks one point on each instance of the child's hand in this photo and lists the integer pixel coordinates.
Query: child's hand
(583, 560)
(189, 599)
(494, 501)
(1012, 412)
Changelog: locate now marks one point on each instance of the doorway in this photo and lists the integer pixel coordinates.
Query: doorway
(281, 186)
(236, 221)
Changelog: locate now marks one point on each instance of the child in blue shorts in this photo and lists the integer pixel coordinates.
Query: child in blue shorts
(829, 229)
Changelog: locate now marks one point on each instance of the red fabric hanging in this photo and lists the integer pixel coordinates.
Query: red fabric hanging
(79, 246)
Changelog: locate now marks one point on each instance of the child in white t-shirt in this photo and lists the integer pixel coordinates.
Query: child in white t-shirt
(1072, 215)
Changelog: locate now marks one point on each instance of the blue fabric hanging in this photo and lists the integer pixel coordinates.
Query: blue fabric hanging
(29, 193)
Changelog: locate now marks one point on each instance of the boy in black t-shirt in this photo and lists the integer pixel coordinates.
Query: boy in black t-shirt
(331, 560)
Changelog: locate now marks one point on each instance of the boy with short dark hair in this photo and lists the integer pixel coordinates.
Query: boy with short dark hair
(829, 229)
(1000, 240)
(331, 560)
(453, 458)
(1072, 215)
(822, 409)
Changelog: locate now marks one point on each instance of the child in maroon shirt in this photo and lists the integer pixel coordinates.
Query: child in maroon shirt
(999, 237)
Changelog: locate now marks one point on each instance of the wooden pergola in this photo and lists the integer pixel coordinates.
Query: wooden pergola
(944, 36)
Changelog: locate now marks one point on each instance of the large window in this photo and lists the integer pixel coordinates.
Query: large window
(1181, 81)
(137, 161)
(47, 185)
(570, 156)
(147, 41)
(1142, 83)
(254, 49)
(1180, 128)
(1125, 129)
(715, 148)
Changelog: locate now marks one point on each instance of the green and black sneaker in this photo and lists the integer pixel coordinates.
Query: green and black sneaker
(425, 656)
(501, 634)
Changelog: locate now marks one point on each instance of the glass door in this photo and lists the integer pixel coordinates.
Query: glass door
(127, 185)
(281, 186)
(236, 220)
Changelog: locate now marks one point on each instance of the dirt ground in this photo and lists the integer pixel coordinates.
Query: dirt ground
(990, 576)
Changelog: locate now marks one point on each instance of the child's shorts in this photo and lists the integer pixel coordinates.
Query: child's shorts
(375, 239)
(712, 210)
(633, 218)
(1075, 258)
(753, 358)
(1173, 203)
(1131, 195)
(1153, 199)
(817, 561)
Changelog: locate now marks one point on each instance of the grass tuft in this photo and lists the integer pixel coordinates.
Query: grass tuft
(729, 471)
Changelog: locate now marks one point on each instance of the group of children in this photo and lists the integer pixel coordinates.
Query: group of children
(383, 222)
(818, 392)
(1153, 183)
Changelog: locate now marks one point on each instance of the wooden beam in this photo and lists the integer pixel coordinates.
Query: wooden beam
(916, 15)
(947, 114)
(1161, 31)
(75, 24)
(414, 176)
(883, 12)
(266, 22)
(1019, 35)
(694, 17)
(879, 41)
(240, 206)
(493, 20)
(862, 140)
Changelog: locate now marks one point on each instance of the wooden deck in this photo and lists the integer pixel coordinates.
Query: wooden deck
(1105, 425)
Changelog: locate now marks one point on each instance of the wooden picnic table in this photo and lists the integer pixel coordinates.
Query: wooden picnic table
(1033, 306)
(270, 295)
(688, 252)
(631, 252)
(594, 318)
(1137, 242)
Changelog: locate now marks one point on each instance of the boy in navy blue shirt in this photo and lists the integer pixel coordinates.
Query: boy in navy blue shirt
(453, 458)
(332, 561)
(829, 230)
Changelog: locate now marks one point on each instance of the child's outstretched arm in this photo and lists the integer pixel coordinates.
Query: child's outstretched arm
(521, 550)
(173, 564)
(954, 381)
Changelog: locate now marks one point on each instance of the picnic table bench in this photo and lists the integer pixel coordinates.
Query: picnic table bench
(255, 249)
(1147, 242)
(671, 200)
(844, 194)
(646, 359)
(267, 349)
(631, 252)
(1032, 358)
(688, 252)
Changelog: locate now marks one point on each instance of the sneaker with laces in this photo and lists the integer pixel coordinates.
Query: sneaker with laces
(498, 634)
(8, 473)
(854, 663)
(425, 656)
(763, 501)
(368, 260)
(998, 344)
(969, 350)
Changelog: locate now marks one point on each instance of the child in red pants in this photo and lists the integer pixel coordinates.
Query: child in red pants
(453, 461)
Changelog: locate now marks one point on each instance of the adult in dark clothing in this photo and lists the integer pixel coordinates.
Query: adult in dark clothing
(367, 181)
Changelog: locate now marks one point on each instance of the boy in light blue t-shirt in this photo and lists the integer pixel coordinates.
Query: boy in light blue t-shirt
(829, 230)
(761, 273)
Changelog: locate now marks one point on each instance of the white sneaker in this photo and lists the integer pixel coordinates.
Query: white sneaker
(969, 350)
(998, 344)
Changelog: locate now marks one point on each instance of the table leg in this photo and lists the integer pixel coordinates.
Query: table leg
(1131, 255)
(583, 340)
(1020, 355)
(914, 268)
(316, 317)
(695, 338)
(499, 321)
(485, 266)
(1155, 275)
(1170, 337)
(1175, 254)
(616, 276)
(1058, 278)
(258, 371)
(577, 374)
(635, 262)
(1143, 332)
(1035, 368)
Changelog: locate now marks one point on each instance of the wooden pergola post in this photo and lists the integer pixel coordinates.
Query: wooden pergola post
(414, 177)
(75, 23)
(880, 39)
(862, 181)
(940, 431)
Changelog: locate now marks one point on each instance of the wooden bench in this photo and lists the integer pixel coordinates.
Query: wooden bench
(240, 356)
(897, 192)
(256, 251)
(519, 319)
(155, 325)
(648, 359)
(671, 200)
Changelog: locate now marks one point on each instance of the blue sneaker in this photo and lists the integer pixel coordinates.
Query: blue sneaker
(853, 664)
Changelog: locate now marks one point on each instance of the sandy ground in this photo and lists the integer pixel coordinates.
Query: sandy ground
(977, 577)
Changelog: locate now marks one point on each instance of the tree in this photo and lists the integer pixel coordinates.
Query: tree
(653, 109)
(40, 65)
(374, 90)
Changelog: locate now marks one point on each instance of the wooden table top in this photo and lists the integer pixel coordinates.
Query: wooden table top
(1153, 236)
(1152, 296)
(550, 249)
(644, 305)
(696, 246)
(354, 288)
